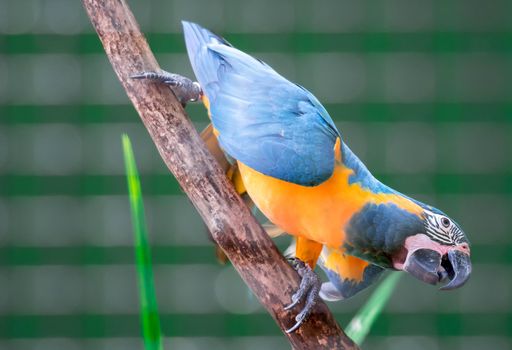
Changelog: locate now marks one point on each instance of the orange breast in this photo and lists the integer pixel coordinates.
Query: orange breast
(317, 213)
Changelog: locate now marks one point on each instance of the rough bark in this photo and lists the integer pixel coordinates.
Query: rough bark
(251, 251)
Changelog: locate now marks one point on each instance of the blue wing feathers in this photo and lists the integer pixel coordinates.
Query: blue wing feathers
(268, 123)
(205, 64)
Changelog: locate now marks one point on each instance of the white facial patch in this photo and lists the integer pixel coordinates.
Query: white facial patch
(441, 229)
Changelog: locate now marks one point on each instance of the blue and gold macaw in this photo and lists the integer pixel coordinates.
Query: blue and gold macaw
(291, 160)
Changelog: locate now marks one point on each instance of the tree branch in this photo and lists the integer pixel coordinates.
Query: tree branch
(235, 230)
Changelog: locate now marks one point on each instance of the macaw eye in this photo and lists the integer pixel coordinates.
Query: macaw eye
(445, 221)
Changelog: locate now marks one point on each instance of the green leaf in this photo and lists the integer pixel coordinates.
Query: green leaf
(149, 309)
(360, 325)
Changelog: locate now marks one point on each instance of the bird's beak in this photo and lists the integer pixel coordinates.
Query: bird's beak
(458, 267)
(424, 264)
(432, 262)
(431, 267)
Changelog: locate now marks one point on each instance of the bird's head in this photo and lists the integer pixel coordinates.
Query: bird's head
(437, 253)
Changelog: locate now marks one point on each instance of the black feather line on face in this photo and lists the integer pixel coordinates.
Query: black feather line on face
(451, 235)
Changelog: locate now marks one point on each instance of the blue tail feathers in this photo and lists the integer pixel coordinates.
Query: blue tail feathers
(205, 63)
(256, 112)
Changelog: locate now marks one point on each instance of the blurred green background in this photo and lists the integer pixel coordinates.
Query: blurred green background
(421, 90)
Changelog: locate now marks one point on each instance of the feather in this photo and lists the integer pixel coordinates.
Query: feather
(264, 121)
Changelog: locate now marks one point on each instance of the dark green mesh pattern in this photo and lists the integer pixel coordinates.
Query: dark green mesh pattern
(421, 90)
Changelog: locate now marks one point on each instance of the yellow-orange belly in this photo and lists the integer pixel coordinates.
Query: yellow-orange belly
(318, 213)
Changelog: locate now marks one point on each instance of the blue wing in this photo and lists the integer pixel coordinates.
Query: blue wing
(268, 123)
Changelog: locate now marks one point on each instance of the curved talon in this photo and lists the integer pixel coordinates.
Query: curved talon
(295, 326)
(294, 302)
(304, 286)
(309, 289)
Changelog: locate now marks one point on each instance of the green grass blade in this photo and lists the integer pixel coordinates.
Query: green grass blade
(149, 309)
(360, 325)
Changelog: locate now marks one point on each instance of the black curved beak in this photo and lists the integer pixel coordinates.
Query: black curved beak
(424, 265)
(458, 267)
(429, 266)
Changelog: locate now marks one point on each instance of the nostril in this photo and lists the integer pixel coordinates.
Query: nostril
(465, 247)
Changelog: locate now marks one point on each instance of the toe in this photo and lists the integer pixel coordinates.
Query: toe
(294, 328)
(141, 75)
(308, 291)
(295, 300)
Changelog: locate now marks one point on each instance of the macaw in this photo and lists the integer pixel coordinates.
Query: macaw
(293, 163)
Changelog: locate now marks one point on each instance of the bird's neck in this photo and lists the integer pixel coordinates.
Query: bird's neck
(360, 173)
(386, 219)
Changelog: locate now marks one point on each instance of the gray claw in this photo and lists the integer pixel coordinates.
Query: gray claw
(172, 83)
(185, 89)
(295, 301)
(305, 284)
(142, 75)
(296, 325)
(309, 289)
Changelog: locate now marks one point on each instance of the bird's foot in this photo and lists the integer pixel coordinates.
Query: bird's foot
(185, 89)
(308, 291)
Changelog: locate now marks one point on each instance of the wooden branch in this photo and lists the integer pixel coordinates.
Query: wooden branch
(235, 230)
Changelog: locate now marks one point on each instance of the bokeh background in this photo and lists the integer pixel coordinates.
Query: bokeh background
(421, 90)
